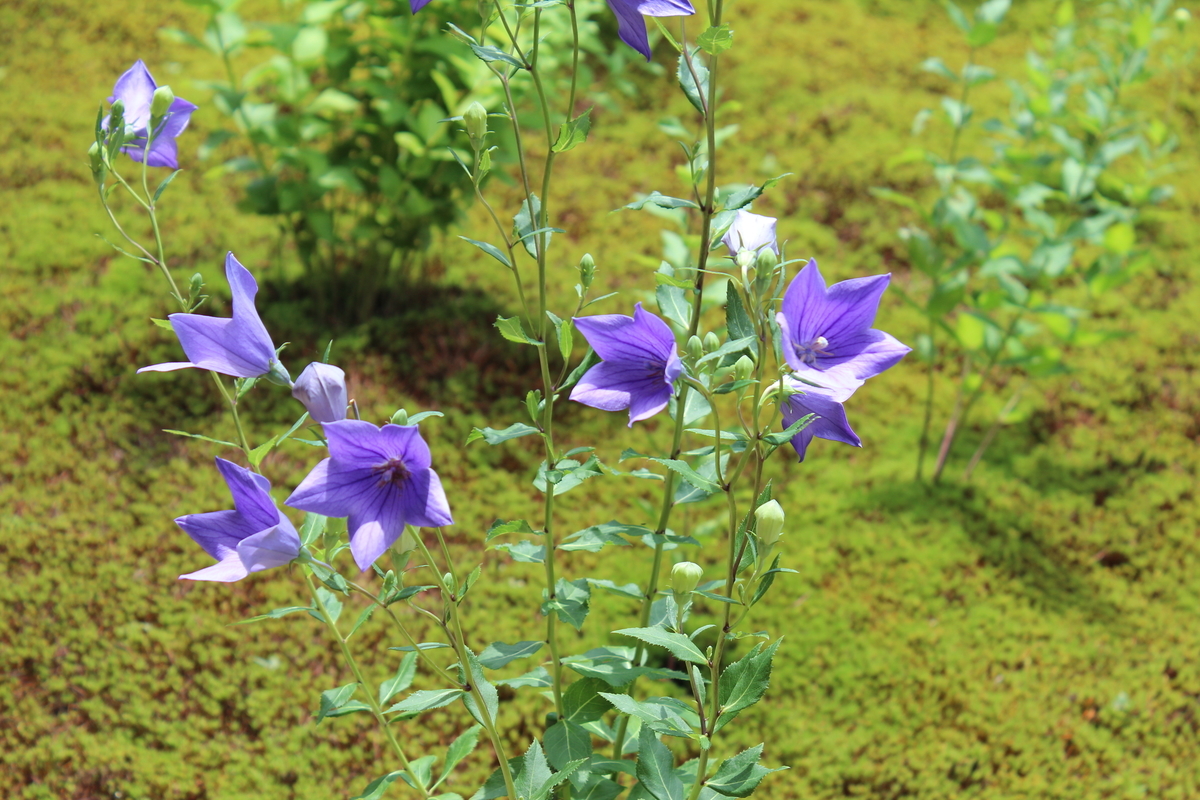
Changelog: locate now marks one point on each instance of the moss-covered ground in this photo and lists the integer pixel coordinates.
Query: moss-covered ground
(1032, 634)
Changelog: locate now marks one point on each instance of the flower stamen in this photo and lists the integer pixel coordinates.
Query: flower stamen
(392, 471)
(807, 353)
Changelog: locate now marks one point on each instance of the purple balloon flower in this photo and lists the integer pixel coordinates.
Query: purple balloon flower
(639, 366)
(136, 89)
(239, 346)
(322, 389)
(830, 422)
(380, 479)
(827, 333)
(630, 25)
(750, 232)
(252, 537)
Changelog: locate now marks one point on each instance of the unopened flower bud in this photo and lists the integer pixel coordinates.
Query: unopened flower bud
(711, 342)
(160, 104)
(685, 577)
(400, 417)
(97, 162)
(766, 261)
(322, 390)
(278, 374)
(769, 518)
(1182, 16)
(695, 348)
(475, 118)
(587, 271)
(743, 369)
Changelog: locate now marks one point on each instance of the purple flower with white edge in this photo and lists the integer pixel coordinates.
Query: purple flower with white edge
(750, 232)
(380, 479)
(631, 26)
(830, 422)
(135, 89)
(239, 346)
(639, 367)
(252, 537)
(827, 333)
(322, 390)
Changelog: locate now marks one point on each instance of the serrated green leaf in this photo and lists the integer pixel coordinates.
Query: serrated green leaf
(693, 79)
(739, 776)
(582, 702)
(333, 699)
(399, 682)
(656, 768)
(573, 133)
(491, 250)
(494, 437)
(500, 528)
(566, 742)
(500, 654)
(715, 41)
(487, 691)
(744, 682)
(276, 614)
(202, 438)
(459, 749)
(426, 699)
(680, 645)
(512, 329)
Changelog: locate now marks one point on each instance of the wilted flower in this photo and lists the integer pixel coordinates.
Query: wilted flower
(322, 389)
(830, 422)
(827, 333)
(751, 232)
(639, 366)
(630, 25)
(252, 537)
(380, 479)
(239, 346)
(136, 89)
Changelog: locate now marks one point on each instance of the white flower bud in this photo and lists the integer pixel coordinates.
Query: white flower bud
(743, 369)
(160, 104)
(322, 389)
(770, 518)
(475, 118)
(685, 577)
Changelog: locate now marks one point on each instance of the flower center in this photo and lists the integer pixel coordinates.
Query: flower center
(807, 353)
(392, 471)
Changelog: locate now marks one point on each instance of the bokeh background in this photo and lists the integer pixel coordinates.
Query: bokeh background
(1031, 633)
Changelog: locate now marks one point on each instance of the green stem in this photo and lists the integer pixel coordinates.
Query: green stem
(923, 446)
(408, 637)
(372, 701)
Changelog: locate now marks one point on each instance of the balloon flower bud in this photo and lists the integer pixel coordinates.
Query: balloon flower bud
(695, 348)
(322, 389)
(685, 577)
(587, 271)
(711, 342)
(161, 102)
(743, 369)
(769, 517)
(475, 118)
(96, 160)
(1182, 16)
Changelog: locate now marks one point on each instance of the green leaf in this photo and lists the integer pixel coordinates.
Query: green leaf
(690, 475)
(459, 749)
(938, 67)
(673, 304)
(524, 223)
(499, 654)
(165, 323)
(162, 187)
(491, 54)
(737, 321)
(536, 772)
(630, 590)
(566, 742)
(693, 79)
(993, 11)
(680, 645)
(566, 475)
(500, 528)
(573, 133)
(595, 538)
(565, 335)
(401, 680)
(493, 436)
(426, 699)
(715, 41)
(656, 768)
(334, 699)
(376, 788)
(362, 618)
(524, 551)
(739, 776)
(660, 200)
(202, 438)
(582, 702)
(744, 197)
(491, 698)
(957, 16)
(570, 602)
(512, 330)
(538, 677)
(491, 250)
(333, 606)
(276, 614)
(744, 682)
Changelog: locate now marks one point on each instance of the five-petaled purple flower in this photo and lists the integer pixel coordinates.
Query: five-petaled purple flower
(253, 536)
(136, 90)
(639, 366)
(380, 479)
(751, 232)
(239, 346)
(830, 422)
(630, 25)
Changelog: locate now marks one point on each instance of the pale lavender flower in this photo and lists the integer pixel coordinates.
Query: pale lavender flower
(379, 478)
(827, 333)
(830, 422)
(239, 346)
(252, 537)
(322, 389)
(639, 366)
(135, 89)
(751, 232)
(631, 26)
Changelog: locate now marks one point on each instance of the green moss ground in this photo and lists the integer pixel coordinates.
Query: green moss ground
(1033, 634)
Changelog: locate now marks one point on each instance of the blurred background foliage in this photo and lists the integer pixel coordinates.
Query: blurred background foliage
(1030, 633)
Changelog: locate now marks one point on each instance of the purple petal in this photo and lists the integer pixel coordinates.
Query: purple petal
(803, 304)
(257, 342)
(647, 404)
(616, 337)
(425, 504)
(135, 88)
(375, 525)
(212, 343)
(831, 422)
(852, 306)
(417, 5)
(357, 444)
(334, 493)
(751, 232)
(839, 382)
(631, 27)
(868, 354)
(405, 442)
(218, 532)
(227, 570)
(665, 8)
(251, 495)
(273, 547)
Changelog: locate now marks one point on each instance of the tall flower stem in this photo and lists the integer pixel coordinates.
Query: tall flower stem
(372, 701)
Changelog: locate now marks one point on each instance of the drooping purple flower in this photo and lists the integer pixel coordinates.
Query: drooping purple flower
(135, 89)
(639, 366)
(751, 232)
(630, 25)
(322, 389)
(239, 346)
(252, 537)
(380, 479)
(830, 422)
(827, 333)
